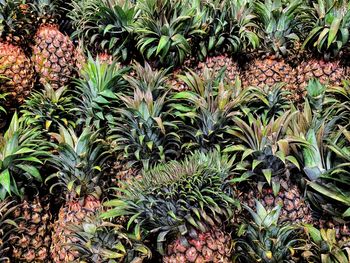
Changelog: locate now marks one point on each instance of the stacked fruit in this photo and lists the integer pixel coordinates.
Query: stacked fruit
(174, 131)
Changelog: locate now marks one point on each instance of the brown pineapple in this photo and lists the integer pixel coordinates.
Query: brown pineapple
(53, 52)
(31, 243)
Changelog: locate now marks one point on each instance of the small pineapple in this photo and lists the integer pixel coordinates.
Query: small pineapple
(79, 163)
(53, 52)
(276, 23)
(164, 202)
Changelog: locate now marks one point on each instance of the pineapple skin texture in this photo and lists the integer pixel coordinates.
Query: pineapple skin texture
(53, 56)
(19, 73)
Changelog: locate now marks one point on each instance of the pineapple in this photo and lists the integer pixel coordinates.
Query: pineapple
(265, 240)
(15, 65)
(32, 241)
(327, 25)
(277, 26)
(7, 226)
(53, 52)
(22, 151)
(79, 163)
(266, 160)
(231, 32)
(183, 206)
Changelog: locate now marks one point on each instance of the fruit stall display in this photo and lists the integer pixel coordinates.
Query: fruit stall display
(174, 131)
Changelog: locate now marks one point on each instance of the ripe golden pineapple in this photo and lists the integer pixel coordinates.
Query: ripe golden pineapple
(53, 52)
(79, 163)
(276, 24)
(18, 71)
(211, 246)
(53, 56)
(31, 243)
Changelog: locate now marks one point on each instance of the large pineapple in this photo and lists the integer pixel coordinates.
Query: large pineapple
(79, 163)
(277, 25)
(32, 241)
(326, 25)
(267, 162)
(183, 207)
(53, 52)
(15, 66)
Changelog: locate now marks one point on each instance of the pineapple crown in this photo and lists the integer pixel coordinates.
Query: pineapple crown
(166, 29)
(205, 111)
(328, 25)
(264, 240)
(143, 131)
(264, 149)
(22, 151)
(229, 25)
(14, 22)
(99, 241)
(49, 109)
(107, 24)
(277, 25)
(98, 90)
(46, 11)
(173, 198)
(79, 162)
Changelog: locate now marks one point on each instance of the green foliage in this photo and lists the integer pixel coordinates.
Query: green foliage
(22, 152)
(206, 110)
(264, 149)
(97, 92)
(324, 248)
(143, 131)
(328, 26)
(229, 26)
(264, 240)
(173, 198)
(105, 25)
(166, 29)
(100, 241)
(48, 109)
(277, 25)
(79, 162)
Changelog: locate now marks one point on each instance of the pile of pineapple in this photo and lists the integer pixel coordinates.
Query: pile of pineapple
(174, 131)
